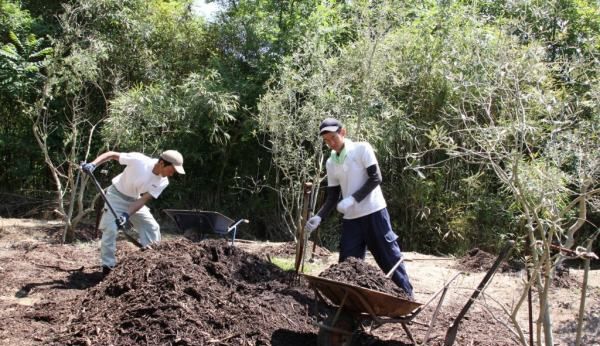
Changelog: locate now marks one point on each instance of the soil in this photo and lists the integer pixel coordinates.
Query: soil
(362, 274)
(478, 260)
(209, 293)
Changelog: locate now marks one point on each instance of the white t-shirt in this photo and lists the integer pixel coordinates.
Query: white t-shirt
(351, 175)
(137, 178)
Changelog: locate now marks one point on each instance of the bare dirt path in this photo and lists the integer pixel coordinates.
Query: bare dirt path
(430, 273)
(39, 276)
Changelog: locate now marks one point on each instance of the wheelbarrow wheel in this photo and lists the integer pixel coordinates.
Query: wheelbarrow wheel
(346, 324)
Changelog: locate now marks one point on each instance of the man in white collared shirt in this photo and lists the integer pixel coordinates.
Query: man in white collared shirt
(353, 171)
(142, 180)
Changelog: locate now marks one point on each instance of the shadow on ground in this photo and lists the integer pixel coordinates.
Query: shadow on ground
(77, 280)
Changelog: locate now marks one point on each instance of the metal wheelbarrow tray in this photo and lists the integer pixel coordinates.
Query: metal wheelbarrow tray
(358, 299)
(202, 223)
(355, 304)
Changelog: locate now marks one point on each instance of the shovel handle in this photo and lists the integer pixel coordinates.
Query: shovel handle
(391, 272)
(101, 191)
(112, 210)
(302, 239)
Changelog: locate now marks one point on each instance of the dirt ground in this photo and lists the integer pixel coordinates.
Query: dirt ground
(208, 293)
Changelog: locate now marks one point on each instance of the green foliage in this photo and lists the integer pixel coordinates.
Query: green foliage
(284, 263)
(409, 85)
(21, 63)
(13, 19)
(180, 40)
(434, 86)
(149, 118)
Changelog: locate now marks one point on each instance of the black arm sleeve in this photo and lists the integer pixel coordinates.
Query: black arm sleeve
(372, 182)
(333, 196)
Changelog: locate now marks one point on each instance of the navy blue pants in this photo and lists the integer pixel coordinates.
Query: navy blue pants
(374, 232)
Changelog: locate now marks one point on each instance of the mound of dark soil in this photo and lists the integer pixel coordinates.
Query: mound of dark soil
(359, 273)
(184, 293)
(478, 260)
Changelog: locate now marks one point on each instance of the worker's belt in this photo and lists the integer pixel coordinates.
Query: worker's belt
(113, 190)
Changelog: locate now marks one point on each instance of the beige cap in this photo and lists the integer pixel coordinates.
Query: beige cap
(175, 158)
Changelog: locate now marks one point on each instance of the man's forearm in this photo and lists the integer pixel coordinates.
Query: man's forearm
(374, 180)
(333, 195)
(138, 203)
(107, 156)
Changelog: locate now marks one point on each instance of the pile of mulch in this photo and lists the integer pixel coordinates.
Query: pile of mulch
(478, 260)
(185, 293)
(288, 249)
(357, 272)
(563, 279)
(83, 233)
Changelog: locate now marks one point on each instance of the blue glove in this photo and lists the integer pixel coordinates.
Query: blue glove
(122, 220)
(88, 167)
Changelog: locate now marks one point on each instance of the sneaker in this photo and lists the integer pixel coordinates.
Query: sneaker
(106, 270)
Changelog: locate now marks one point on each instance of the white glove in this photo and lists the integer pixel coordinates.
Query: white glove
(312, 224)
(345, 204)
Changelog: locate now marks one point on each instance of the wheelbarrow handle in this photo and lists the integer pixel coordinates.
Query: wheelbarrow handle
(234, 229)
(237, 223)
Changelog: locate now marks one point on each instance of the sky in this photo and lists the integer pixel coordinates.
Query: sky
(207, 10)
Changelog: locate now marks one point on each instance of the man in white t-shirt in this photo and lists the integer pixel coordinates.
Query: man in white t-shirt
(353, 171)
(142, 180)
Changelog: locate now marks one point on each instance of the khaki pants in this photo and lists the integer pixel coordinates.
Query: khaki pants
(142, 220)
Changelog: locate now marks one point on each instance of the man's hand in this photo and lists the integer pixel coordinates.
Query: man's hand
(312, 224)
(345, 204)
(122, 220)
(88, 167)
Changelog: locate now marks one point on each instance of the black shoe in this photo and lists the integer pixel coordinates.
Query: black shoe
(106, 270)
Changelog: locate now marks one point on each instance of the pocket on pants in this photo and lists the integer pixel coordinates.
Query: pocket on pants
(390, 236)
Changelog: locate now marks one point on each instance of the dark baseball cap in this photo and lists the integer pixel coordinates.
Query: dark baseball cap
(330, 125)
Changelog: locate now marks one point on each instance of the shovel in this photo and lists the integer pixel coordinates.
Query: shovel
(453, 330)
(391, 271)
(121, 228)
(302, 235)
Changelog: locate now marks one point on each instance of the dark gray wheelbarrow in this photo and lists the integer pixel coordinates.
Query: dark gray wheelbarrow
(198, 224)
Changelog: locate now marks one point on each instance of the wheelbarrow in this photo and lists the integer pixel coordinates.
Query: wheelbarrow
(202, 223)
(356, 305)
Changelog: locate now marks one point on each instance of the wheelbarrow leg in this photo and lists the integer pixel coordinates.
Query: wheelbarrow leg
(233, 230)
(339, 310)
(337, 330)
(407, 331)
(444, 290)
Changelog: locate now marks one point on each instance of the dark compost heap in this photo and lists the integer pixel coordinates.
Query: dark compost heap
(359, 273)
(184, 293)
